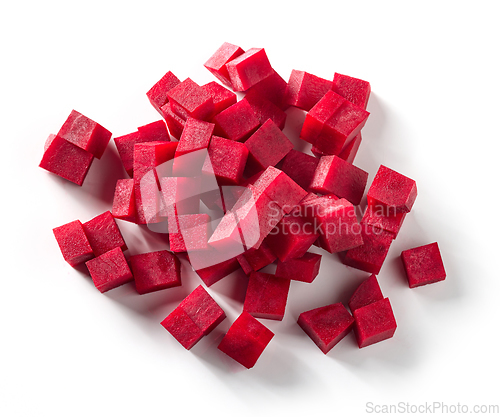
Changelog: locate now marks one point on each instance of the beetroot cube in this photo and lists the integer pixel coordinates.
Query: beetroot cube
(103, 234)
(351, 149)
(300, 167)
(188, 99)
(109, 270)
(196, 135)
(154, 131)
(383, 218)
(333, 175)
(85, 133)
(211, 274)
(304, 269)
(423, 265)
(237, 122)
(226, 238)
(216, 64)
(174, 122)
(74, 244)
(183, 328)
(273, 89)
(374, 323)
(227, 160)
(124, 201)
(180, 195)
(192, 232)
(266, 296)
(66, 160)
(264, 109)
(255, 259)
(368, 292)
(157, 95)
(371, 255)
(155, 271)
(248, 69)
(327, 325)
(339, 227)
(267, 146)
(245, 340)
(222, 97)
(304, 90)
(353, 89)
(392, 190)
(203, 310)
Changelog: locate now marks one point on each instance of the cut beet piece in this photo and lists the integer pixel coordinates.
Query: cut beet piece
(392, 190)
(203, 310)
(157, 95)
(272, 88)
(180, 195)
(255, 259)
(304, 269)
(267, 146)
(155, 271)
(216, 64)
(192, 232)
(383, 218)
(266, 296)
(124, 201)
(350, 150)
(183, 328)
(374, 323)
(353, 89)
(371, 255)
(237, 122)
(226, 238)
(264, 109)
(423, 265)
(174, 122)
(85, 133)
(327, 325)
(245, 340)
(333, 175)
(227, 160)
(304, 90)
(196, 135)
(211, 274)
(154, 131)
(300, 167)
(188, 99)
(66, 160)
(74, 244)
(222, 97)
(368, 292)
(248, 69)
(103, 234)
(109, 270)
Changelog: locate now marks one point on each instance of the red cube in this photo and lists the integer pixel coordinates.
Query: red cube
(226, 160)
(383, 218)
(264, 109)
(157, 95)
(227, 238)
(109, 270)
(266, 296)
(103, 234)
(214, 273)
(189, 232)
(423, 265)
(353, 89)
(350, 150)
(245, 340)
(272, 88)
(374, 323)
(300, 167)
(195, 136)
(327, 325)
(368, 292)
(124, 201)
(216, 64)
(74, 244)
(304, 90)
(183, 328)
(248, 69)
(255, 259)
(155, 271)
(237, 122)
(303, 269)
(174, 122)
(188, 99)
(222, 97)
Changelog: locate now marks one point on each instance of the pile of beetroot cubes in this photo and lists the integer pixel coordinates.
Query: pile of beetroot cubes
(226, 184)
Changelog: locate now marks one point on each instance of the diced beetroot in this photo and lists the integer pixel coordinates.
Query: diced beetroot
(423, 265)
(267, 146)
(304, 269)
(109, 270)
(255, 259)
(272, 88)
(371, 255)
(248, 69)
(264, 109)
(333, 175)
(124, 201)
(351, 149)
(154, 131)
(157, 95)
(183, 328)
(222, 97)
(74, 244)
(392, 190)
(266, 296)
(327, 325)
(180, 195)
(368, 292)
(155, 271)
(227, 160)
(85, 133)
(374, 323)
(226, 238)
(300, 167)
(382, 218)
(66, 160)
(245, 340)
(196, 135)
(353, 89)
(188, 99)
(174, 122)
(103, 234)
(313, 204)
(216, 64)
(237, 122)
(211, 274)
(304, 90)
(339, 227)
(192, 232)
(292, 237)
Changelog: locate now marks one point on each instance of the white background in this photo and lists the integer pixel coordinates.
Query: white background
(68, 350)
